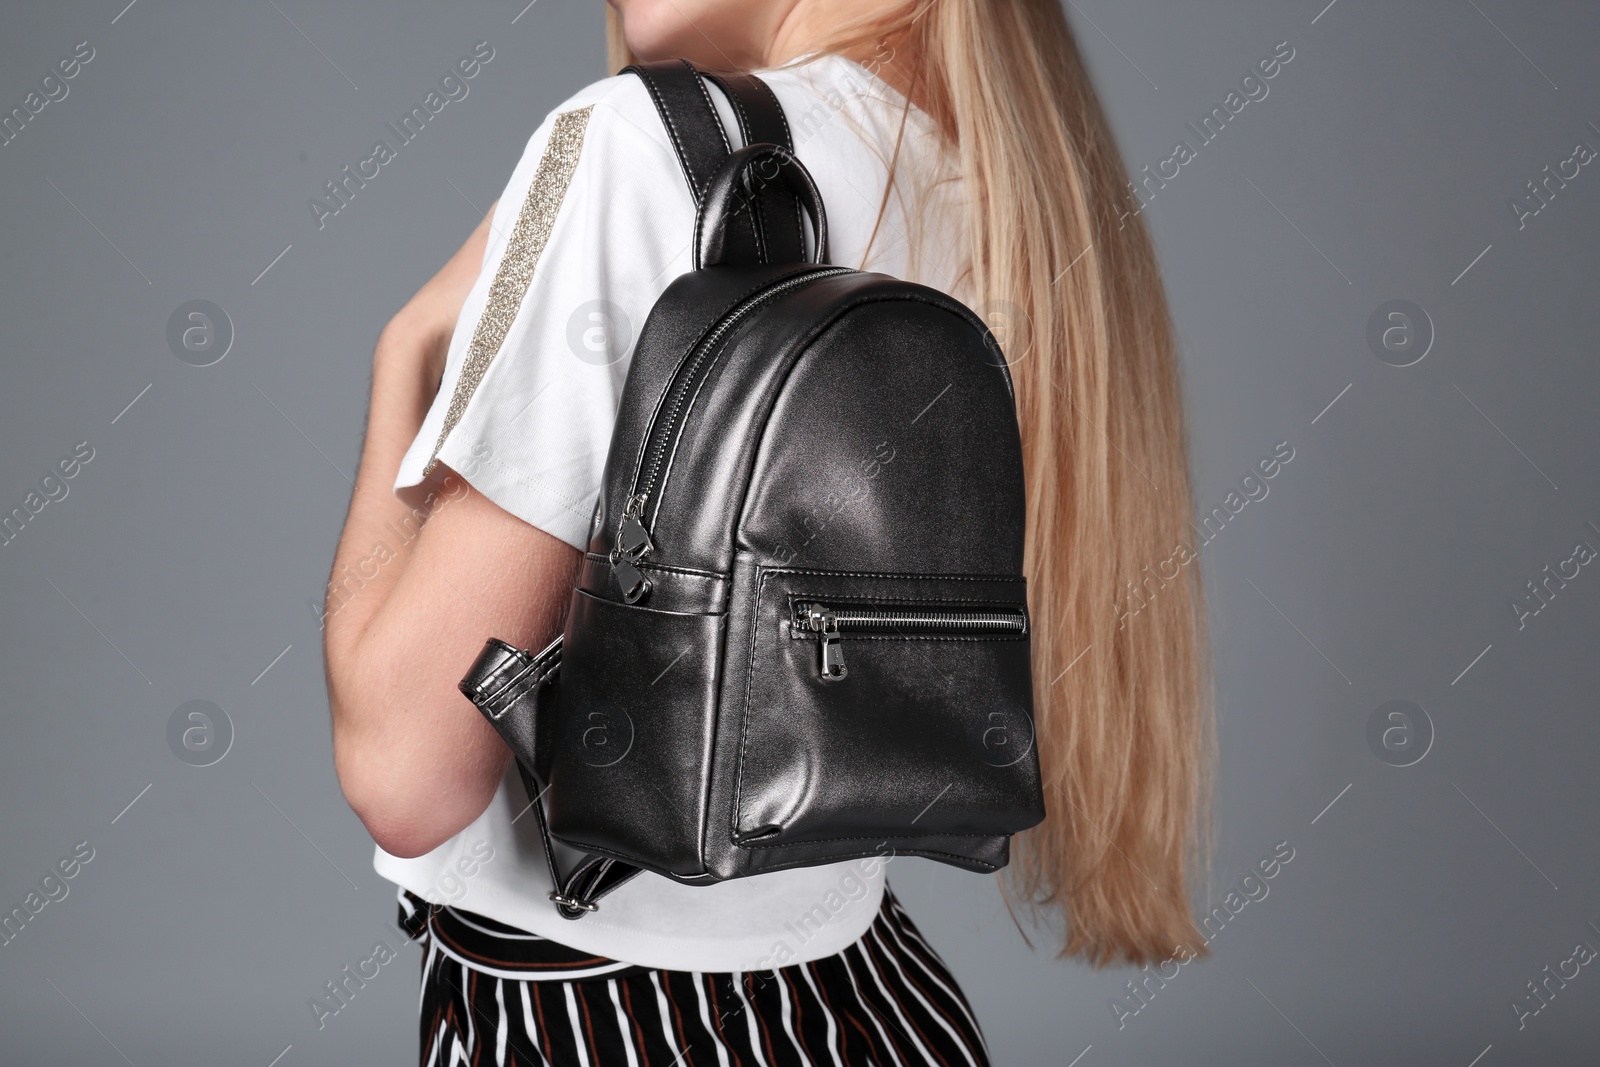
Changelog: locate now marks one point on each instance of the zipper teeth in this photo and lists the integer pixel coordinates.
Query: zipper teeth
(910, 619)
(662, 429)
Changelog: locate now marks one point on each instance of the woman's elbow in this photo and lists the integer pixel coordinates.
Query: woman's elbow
(373, 796)
(405, 818)
(393, 830)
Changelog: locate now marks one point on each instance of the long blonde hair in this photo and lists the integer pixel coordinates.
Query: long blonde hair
(1122, 697)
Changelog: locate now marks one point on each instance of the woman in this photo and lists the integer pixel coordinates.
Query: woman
(957, 143)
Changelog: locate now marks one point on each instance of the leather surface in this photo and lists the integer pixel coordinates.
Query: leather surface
(883, 350)
(768, 228)
(688, 308)
(781, 234)
(926, 734)
(627, 763)
(510, 686)
(746, 179)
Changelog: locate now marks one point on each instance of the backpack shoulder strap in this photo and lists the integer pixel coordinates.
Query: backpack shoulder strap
(775, 233)
(780, 225)
(681, 97)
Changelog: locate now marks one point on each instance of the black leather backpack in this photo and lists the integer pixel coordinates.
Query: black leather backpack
(800, 631)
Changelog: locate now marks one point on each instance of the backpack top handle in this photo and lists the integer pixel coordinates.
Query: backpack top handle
(736, 188)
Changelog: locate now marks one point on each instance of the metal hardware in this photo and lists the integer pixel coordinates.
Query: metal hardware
(632, 580)
(573, 902)
(825, 625)
(632, 545)
(633, 540)
(831, 624)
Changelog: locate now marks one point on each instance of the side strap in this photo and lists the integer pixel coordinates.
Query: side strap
(506, 684)
(578, 893)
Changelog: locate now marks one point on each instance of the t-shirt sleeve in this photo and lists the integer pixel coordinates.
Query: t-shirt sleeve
(594, 224)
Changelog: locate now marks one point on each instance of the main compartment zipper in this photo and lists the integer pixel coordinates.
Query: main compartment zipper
(829, 625)
(633, 541)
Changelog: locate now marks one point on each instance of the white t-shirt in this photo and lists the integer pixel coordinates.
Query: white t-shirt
(594, 224)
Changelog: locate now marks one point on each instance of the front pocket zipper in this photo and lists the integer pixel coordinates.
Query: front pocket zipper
(830, 625)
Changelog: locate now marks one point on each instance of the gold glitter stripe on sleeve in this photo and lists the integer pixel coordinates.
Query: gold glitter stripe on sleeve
(516, 268)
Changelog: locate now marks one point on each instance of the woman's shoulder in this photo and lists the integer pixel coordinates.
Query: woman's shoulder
(623, 96)
(606, 138)
(608, 125)
(815, 92)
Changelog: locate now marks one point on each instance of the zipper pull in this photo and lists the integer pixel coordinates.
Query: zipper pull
(632, 580)
(633, 540)
(825, 624)
(632, 545)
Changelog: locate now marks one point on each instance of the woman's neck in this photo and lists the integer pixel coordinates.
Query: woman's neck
(810, 25)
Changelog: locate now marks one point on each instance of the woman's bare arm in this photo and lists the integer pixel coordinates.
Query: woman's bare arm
(409, 608)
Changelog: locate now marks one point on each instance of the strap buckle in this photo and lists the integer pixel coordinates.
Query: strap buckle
(573, 902)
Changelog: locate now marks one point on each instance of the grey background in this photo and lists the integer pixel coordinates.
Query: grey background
(1381, 566)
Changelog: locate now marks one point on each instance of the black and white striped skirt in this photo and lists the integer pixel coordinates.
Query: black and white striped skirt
(495, 994)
